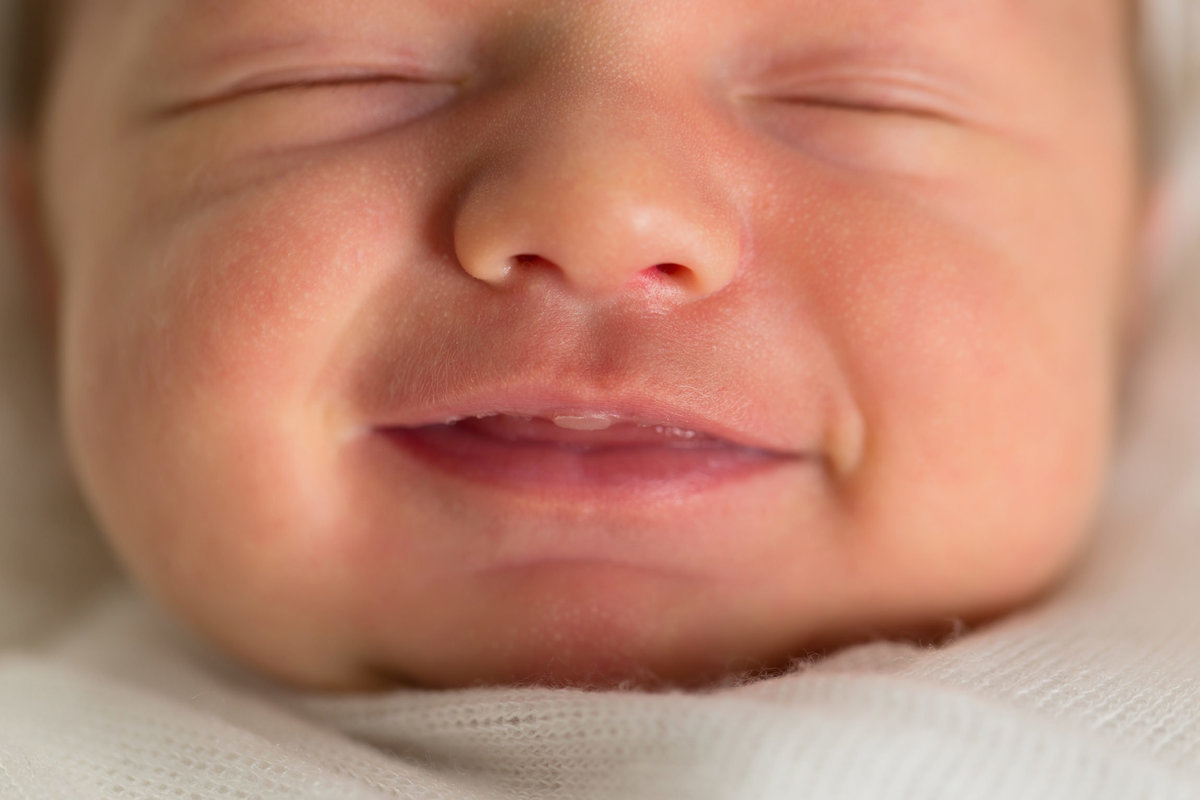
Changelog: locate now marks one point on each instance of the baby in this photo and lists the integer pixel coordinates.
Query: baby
(618, 343)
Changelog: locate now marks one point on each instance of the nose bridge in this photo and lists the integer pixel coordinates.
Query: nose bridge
(604, 177)
(617, 163)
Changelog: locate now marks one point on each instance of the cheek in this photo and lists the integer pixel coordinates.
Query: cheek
(198, 408)
(224, 315)
(990, 431)
(998, 406)
(984, 375)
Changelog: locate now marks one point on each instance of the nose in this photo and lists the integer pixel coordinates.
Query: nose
(609, 202)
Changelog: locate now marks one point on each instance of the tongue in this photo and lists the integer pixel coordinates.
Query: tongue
(583, 431)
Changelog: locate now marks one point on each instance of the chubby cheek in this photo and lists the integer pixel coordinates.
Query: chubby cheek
(984, 375)
(200, 407)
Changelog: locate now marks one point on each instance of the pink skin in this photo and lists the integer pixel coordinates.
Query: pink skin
(881, 267)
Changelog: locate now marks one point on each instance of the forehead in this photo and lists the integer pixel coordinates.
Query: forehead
(999, 51)
(967, 30)
(792, 16)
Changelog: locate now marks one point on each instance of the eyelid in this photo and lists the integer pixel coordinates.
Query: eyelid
(889, 92)
(298, 79)
(866, 105)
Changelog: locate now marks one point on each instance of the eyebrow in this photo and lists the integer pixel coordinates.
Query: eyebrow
(211, 53)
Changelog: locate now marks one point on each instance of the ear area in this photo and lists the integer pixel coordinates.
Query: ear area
(21, 198)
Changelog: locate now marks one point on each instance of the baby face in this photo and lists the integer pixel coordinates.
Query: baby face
(499, 341)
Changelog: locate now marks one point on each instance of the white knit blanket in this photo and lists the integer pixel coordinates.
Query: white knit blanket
(1093, 693)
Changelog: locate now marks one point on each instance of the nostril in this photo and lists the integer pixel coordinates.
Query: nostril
(668, 276)
(664, 274)
(525, 262)
(670, 273)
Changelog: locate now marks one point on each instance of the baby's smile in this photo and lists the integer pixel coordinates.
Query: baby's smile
(540, 447)
(522, 340)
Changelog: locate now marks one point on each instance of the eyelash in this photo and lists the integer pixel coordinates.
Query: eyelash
(890, 93)
(300, 84)
(874, 107)
(909, 101)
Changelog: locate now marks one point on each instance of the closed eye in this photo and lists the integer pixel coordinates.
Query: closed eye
(299, 84)
(868, 90)
(867, 105)
(882, 124)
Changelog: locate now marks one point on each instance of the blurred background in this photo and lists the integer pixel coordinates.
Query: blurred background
(51, 561)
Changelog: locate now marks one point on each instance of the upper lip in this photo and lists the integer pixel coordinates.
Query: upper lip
(783, 401)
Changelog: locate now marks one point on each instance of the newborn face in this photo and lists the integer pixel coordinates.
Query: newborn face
(506, 340)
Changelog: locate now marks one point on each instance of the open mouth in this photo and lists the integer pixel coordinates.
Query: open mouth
(580, 449)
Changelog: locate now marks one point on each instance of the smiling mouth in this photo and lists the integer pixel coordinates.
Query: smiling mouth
(581, 450)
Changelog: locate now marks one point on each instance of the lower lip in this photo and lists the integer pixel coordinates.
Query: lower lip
(542, 466)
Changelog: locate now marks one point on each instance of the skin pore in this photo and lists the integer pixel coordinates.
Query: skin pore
(876, 273)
